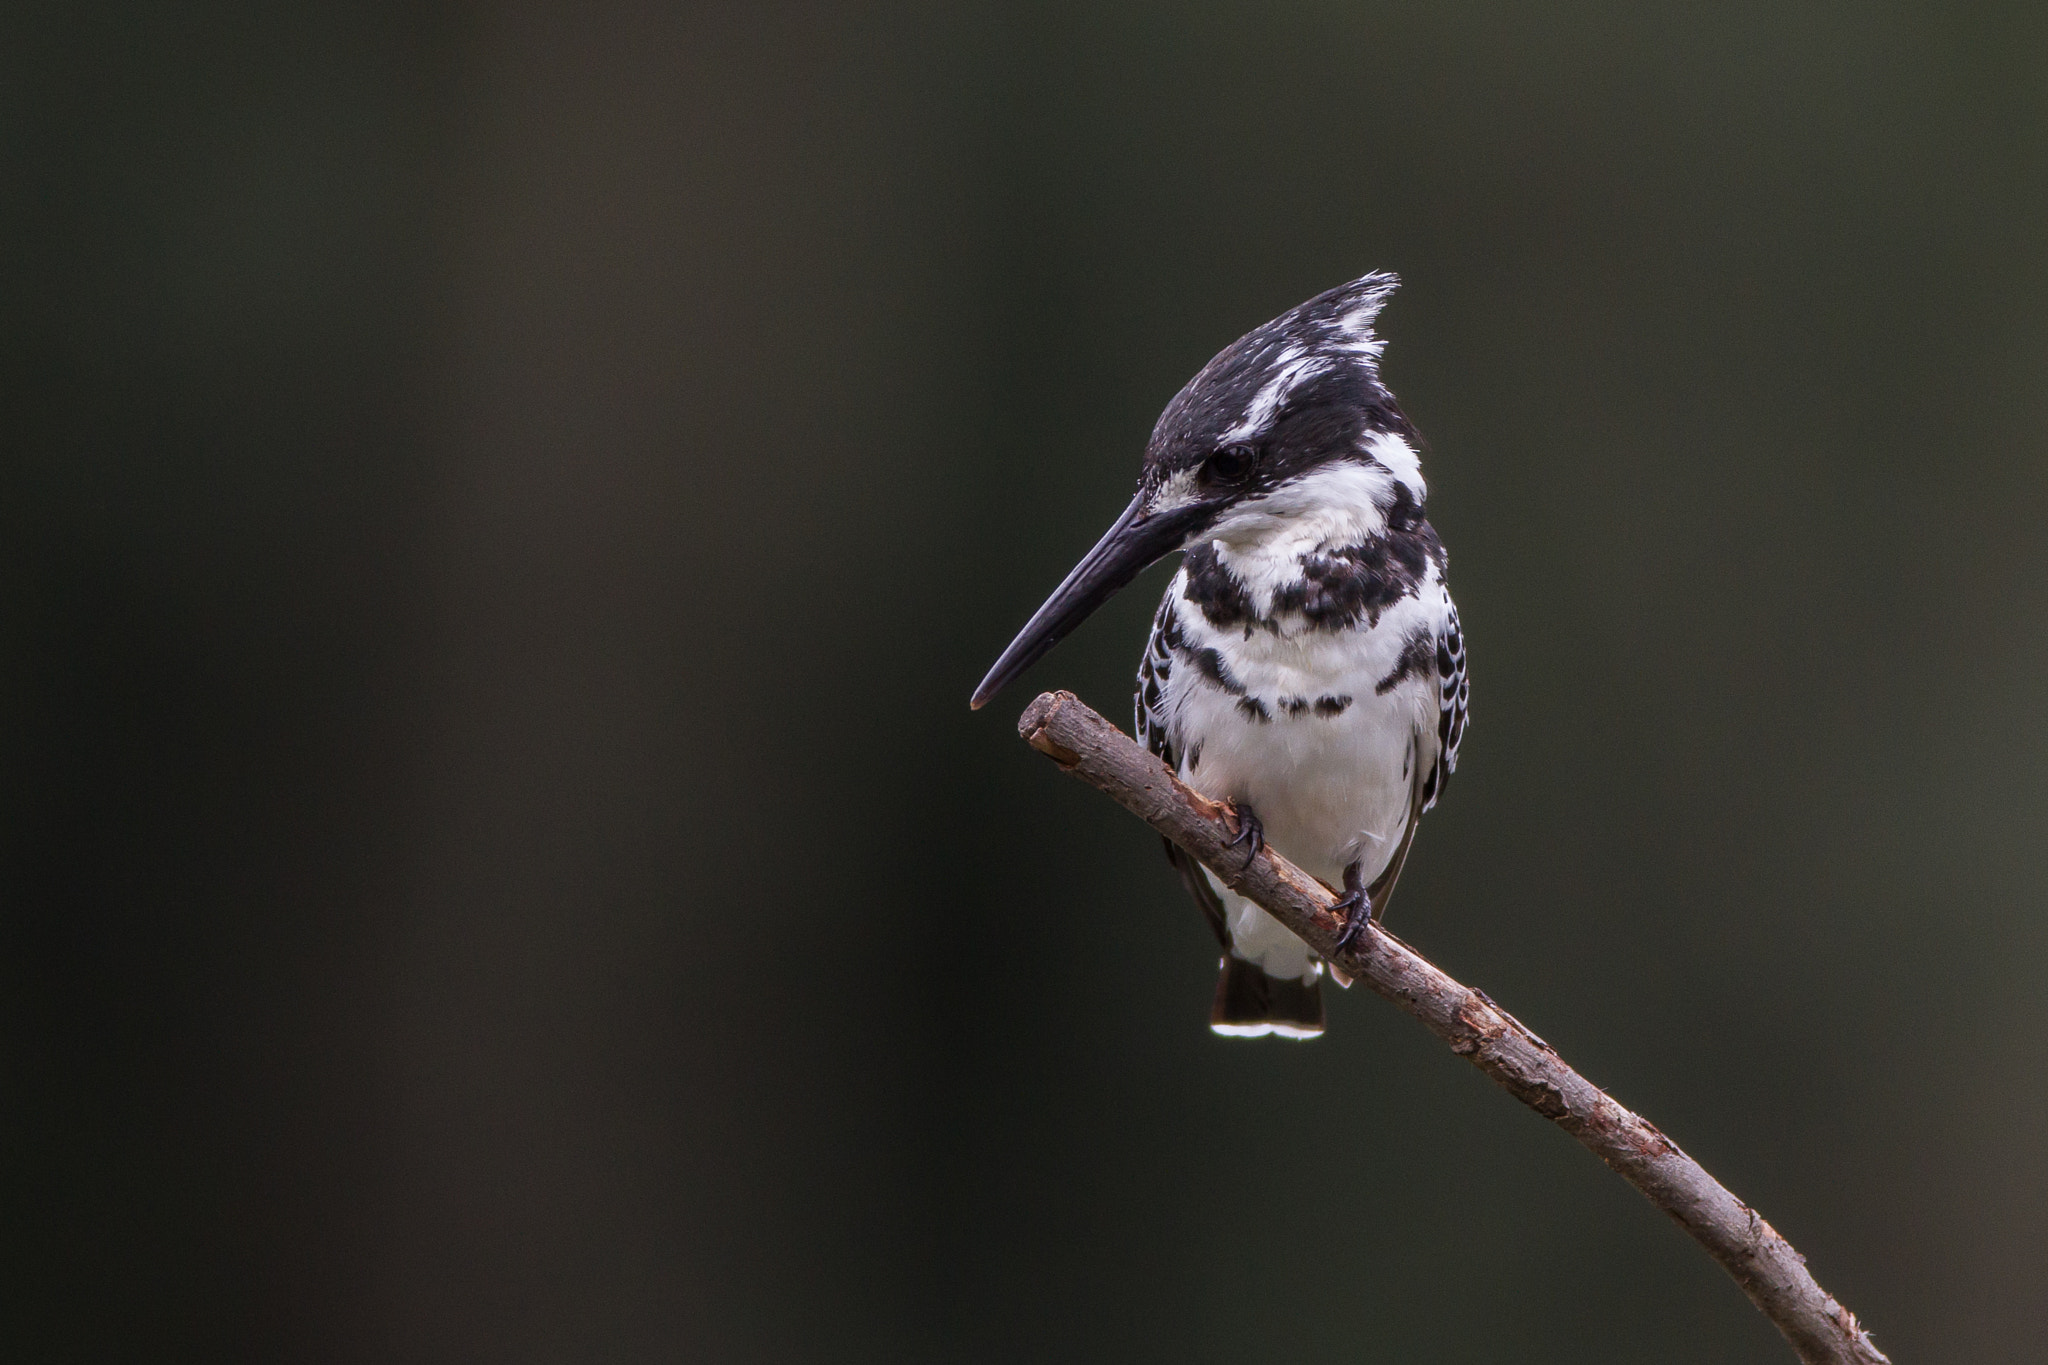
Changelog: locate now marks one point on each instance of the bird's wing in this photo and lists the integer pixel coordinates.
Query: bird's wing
(1382, 889)
(1154, 669)
(1453, 692)
(1453, 695)
(1155, 730)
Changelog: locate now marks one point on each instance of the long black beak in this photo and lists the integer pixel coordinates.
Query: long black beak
(1127, 549)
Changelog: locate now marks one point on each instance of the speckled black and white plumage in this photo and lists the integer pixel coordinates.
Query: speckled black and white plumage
(1306, 662)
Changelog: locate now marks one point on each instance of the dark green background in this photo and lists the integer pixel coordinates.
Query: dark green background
(503, 507)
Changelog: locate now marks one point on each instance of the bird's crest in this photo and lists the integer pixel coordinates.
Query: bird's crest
(1324, 350)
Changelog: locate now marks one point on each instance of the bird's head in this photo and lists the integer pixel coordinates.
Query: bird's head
(1288, 419)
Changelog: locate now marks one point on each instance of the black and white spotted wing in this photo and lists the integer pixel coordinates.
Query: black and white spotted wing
(1155, 731)
(1153, 671)
(1453, 695)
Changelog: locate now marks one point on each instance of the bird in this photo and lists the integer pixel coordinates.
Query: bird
(1306, 666)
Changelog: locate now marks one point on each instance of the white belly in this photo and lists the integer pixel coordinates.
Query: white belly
(1330, 790)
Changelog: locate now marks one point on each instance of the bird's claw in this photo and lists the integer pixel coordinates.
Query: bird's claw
(1249, 831)
(1356, 907)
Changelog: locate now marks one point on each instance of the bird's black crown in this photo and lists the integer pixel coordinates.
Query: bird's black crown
(1303, 389)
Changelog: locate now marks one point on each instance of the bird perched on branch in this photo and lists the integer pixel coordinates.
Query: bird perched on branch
(1306, 664)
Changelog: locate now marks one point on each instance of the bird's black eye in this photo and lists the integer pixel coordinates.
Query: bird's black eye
(1230, 465)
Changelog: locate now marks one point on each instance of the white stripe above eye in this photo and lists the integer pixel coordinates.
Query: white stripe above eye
(1292, 369)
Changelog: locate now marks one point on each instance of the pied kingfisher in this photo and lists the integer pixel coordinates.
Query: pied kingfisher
(1306, 664)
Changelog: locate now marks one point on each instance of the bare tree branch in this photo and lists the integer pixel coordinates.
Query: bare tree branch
(1774, 1276)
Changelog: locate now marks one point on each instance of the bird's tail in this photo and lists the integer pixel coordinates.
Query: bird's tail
(1252, 1004)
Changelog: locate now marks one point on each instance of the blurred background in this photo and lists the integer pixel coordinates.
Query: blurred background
(504, 505)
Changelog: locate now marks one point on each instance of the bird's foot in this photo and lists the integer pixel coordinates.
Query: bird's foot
(1249, 831)
(1356, 907)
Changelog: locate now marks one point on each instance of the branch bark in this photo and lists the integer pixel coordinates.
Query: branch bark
(1774, 1276)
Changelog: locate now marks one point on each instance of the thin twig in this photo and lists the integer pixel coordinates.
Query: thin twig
(1763, 1263)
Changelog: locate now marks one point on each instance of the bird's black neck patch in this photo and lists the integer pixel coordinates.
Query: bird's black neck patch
(1336, 589)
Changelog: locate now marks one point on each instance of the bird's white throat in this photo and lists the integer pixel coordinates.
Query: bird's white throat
(1263, 541)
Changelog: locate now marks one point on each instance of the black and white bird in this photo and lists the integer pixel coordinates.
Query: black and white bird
(1306, 664)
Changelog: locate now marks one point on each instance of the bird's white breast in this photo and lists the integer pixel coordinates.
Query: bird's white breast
(1329, 788)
